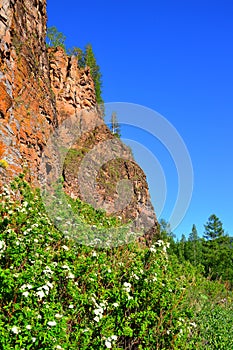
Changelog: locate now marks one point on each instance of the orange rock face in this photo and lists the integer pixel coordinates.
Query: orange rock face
(43, 92)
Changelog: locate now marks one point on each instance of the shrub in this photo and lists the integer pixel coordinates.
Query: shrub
(55, 293)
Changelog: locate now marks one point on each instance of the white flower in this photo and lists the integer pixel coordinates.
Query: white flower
(103, 304)
(59, 347)
(50, 285)
(36, 240)
(108, 341)
(33, 339)
(47, 270)
(94, 253)
(99, 311)
(71, 306)
(129, 297)
(28, 326)
(108, 344)
(127, 286)
(45, 287)
(39, 317)
(193, 324)
(2, 245)
(96, 318)
(65, 247)
(54, 264)
(135, 276)
(51, 323)
(152, 249)
(40, 294)
(58, 316)
(159, 242)
(25, 294)
(66, 267)
(70, 275)
(15, 330)
(115, 304)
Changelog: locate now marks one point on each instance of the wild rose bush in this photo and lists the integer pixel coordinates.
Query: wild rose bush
(57, 294)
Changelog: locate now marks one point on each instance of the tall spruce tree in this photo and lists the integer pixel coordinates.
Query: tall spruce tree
(90, 61)
(194, 247)
(182, 248)
(213, 228)
(216, 249)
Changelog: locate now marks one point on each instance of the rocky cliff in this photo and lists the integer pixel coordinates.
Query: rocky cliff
(45, 96)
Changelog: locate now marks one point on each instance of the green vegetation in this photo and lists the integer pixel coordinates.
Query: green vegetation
(90, 61)
(86, 58)
(55, 38)
(57, 294)
(213, 253)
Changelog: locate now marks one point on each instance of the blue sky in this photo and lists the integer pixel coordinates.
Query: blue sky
(176, 58)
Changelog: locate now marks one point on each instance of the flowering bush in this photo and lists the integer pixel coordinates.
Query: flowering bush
(57, 294)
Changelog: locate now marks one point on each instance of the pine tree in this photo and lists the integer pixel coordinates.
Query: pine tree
(90, 61)
(194, 247)
(216, 249)
(115, 126)
(213, 228)
(182, 248)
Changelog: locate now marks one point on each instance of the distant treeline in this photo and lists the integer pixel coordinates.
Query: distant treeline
(212, 253)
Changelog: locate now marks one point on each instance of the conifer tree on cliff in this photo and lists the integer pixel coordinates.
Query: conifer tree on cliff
(115, 126)
(90, 61)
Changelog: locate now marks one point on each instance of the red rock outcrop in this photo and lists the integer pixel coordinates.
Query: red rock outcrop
(44, 93)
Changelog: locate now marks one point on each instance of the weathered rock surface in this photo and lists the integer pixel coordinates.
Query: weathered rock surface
(44, 95)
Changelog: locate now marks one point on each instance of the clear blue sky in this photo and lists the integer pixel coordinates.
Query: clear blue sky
(174, 57)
